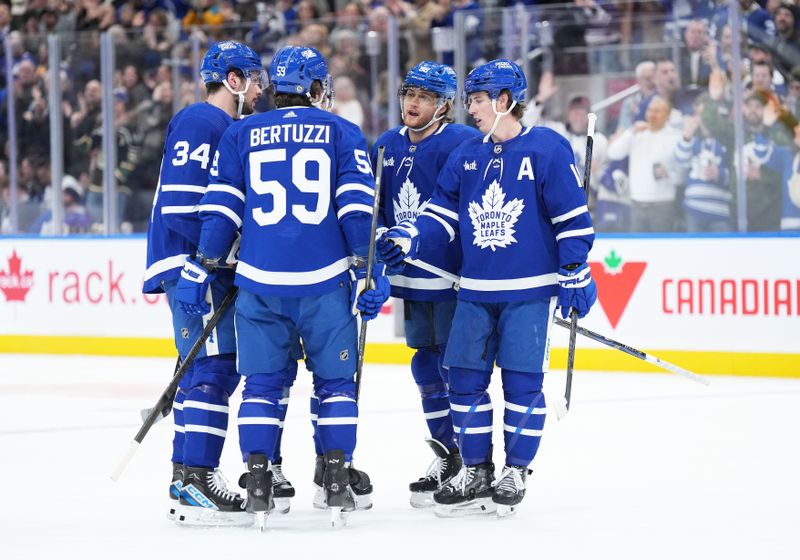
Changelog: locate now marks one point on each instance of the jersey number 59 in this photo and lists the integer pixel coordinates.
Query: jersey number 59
(319, 186)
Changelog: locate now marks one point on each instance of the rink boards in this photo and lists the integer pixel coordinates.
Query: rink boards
(712, 304)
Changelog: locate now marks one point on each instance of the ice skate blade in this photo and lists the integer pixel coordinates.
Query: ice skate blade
(172, 513)
(191, 516)
(338, 517)
(261, 521)
(421, 500)
(282, 505)
(363, 503)
(506, 511)
(479, 506)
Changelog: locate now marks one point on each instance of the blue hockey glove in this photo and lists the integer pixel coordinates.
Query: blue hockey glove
(369, 301)
(397, 244)
(390, 270)
(192, 287)
(576, 289)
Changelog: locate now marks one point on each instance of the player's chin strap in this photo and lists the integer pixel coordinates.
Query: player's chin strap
(497, 117)
(434, 119)
(239, 94)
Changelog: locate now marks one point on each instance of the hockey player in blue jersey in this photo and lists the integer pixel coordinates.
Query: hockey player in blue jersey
(414, 154)
(516, 200)
(297, 182)
(233, 76)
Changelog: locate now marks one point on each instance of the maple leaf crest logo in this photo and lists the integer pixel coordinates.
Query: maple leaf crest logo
(15, 283)
(406, 206)
(494, 220)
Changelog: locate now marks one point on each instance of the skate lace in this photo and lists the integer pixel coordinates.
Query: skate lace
(437, 468)
(219, 485)
(510, 480)
(462, 478)
(277, 475)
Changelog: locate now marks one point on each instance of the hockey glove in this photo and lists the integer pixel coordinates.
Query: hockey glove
(397, 244)
(390, 270)
(193, 286)
(369, 301)
(576, 289)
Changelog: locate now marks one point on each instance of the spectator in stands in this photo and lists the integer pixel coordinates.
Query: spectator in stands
(84, 121)
(137, 92)
(704, 151)
(694, 66)
(419, 26)
(785, 45)
(28, 209)
(654, 177)
(76, 218)
(472, 26)
(94, 15)
(668, 87)
(756, 20)
(5, 20)
(347, 105)
(645, 79)
(756, 54)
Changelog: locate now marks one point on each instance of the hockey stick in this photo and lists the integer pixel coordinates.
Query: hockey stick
(169, 392)
(663, 364)
(562, 410)
(631, 351)
(145, 412)
(376, 201)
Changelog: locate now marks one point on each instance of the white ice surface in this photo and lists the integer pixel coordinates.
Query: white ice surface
(644, 467)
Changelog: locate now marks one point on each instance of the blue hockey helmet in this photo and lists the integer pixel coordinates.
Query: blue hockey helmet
(295, 69)
(225, 56)
(495, 76)
(434, 77)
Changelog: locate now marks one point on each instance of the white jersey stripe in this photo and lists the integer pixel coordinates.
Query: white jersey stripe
(215, 187)
(176, 261)
(199, 189)
(353, 208)
(524, 409)
(293, 278)
(476, 430)
(338, 399)
(509, 284)
(440, 210)
(224, 210)
(357, 187)
(258, 421)
(437, 414)
(179, 209)
(420, 283)
(571, 214)
(450, 231)
(575, 233)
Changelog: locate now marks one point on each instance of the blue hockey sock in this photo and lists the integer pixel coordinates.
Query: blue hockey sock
(259, 414)
(314, 406)
(205, 410)
(523, 420)
(426, 369)
(471, 408)
(337, 422)
(177, 414)
(288, 381)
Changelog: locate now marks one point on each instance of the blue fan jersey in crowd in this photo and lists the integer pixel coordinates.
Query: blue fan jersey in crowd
(522, 211)
(295, 177)
(174, 232)
(407, 183)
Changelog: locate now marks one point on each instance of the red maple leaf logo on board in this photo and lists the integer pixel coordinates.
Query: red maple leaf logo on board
(616, 282)
(15, 283)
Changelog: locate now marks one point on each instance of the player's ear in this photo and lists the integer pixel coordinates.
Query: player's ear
(233, 80)
(503, 101)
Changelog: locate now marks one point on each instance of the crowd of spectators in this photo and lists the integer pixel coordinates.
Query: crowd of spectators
(664, 163)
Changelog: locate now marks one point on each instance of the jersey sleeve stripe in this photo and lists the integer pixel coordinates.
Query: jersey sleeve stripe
(355, 187)
(575, 233)
(163, 265)
(293, 278)
(200, 189)
(450, 231)
(179, 209)
(215, 187)
(224, 210)
(420, 283)
(510, 284)
(571, 214)
(354, 208)
(440, 210)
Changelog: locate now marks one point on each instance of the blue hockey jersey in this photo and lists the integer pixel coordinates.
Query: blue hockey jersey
(299, 184)
(407, 183)
(521, 212)
(705, 198)
(174, 231)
